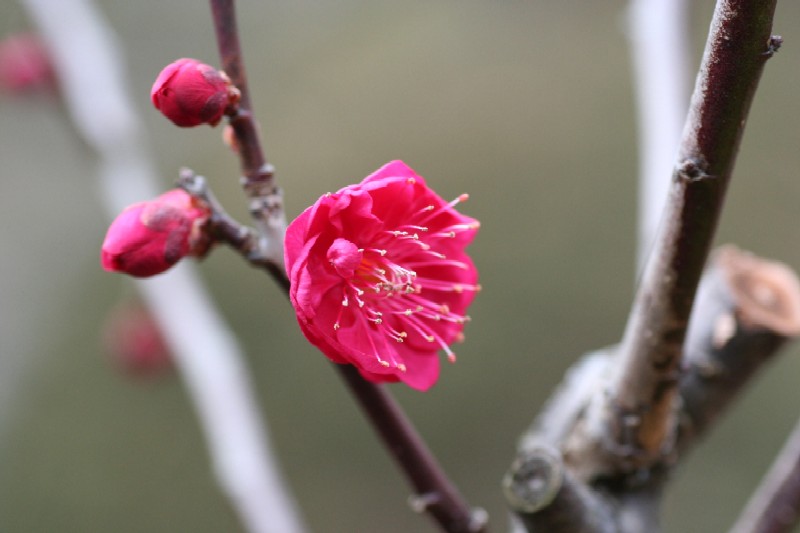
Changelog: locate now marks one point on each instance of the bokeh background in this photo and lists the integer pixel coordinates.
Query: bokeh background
(525, 105)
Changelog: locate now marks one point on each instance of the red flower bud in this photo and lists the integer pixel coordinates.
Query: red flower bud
(190, 93)
(134, 342)
(24, 64)
(149, 237)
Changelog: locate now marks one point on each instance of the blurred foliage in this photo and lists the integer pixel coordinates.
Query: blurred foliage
(526, 105)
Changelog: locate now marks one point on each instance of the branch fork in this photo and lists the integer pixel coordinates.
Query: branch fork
(647, 405)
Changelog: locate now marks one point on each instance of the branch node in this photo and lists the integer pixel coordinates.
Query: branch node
(773, 45)
(693, 169)
(420, 503)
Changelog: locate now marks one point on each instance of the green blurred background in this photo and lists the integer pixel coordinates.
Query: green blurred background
(525, 105)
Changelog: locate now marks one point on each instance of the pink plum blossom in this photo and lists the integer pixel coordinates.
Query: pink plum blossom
(147, 238)
(379, 276)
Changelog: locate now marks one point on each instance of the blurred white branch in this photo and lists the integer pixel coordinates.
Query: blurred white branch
(659, 34)
(91, 73)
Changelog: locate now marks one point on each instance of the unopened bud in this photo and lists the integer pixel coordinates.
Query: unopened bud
(134, 341)
(190, 93)
(147, 238)
(24, 64)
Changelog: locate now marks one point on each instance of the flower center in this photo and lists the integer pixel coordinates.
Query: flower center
(390, 298)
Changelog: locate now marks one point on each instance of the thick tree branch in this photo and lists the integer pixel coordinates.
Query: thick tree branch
(615, 419)
(643, 390)
(746, 309)
(547, 498)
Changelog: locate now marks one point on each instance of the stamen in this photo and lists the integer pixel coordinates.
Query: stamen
(446, 286)
(458, 200)
(414, 227)
(430, 336)
(438, 262)
(425, 209)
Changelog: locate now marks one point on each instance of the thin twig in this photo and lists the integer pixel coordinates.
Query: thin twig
(644, 388)
(775, 505)
(435, 493)
(266, 199)
(91, 75)
(441, 498)
(224, 228)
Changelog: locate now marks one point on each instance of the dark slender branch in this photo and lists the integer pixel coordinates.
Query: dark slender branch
(775, 506)
(266, 251)
(227, 31)
(254, 163)
(436, 494)
(644, 388)
(266, 199)
(745, 311)
(257, 171)
(435, 491)
(224, 228)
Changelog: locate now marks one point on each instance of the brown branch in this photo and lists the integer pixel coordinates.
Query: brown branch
(775, 506)
(436, 494)
(266, 251)
(615, 419)
(745, 311)
(643, 390)
(247, 135)
(266, 199)
(223, 228)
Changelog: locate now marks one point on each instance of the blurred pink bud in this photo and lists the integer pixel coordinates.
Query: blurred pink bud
(24, 64)
(190, 93)
(149, 237)
(133, 340)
